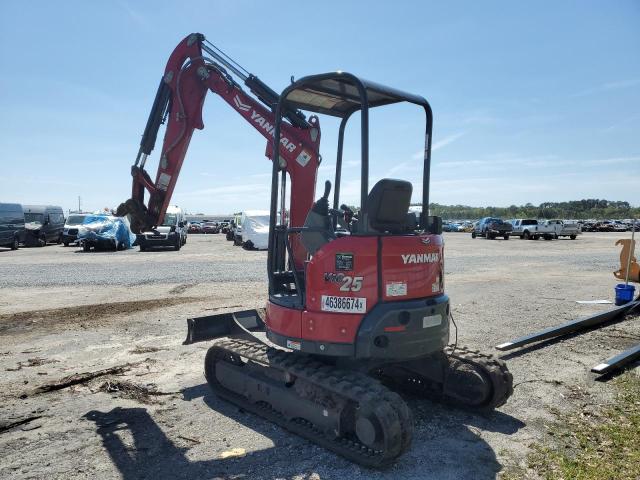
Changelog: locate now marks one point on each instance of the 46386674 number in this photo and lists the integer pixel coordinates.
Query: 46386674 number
(332, 303)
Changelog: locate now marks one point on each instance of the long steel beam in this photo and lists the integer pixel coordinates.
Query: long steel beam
(569, 327)
(618, 361)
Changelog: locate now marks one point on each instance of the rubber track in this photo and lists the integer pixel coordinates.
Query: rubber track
(493, 369)
(359, 388)
(496, 370)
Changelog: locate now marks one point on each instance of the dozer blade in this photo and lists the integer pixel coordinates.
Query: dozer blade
(201, 329)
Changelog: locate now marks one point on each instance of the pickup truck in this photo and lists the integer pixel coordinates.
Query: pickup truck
(527, 228)
(491, 227)
(559, 228)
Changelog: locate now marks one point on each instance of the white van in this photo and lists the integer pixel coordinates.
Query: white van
(255, 229)
(172, 232)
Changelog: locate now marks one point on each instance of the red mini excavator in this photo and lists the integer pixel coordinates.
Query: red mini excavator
(352, 316)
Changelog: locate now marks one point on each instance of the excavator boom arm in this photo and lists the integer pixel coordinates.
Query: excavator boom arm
(188, 76)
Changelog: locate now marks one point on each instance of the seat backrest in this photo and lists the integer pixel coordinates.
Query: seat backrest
(388, 205)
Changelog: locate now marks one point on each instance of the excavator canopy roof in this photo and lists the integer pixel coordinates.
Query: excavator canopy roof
(339, 94)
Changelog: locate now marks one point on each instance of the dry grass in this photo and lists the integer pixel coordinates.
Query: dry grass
(596, 445)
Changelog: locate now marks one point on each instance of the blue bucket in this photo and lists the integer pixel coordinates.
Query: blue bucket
(624, 293)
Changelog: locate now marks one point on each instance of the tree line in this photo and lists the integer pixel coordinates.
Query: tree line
(575, 209)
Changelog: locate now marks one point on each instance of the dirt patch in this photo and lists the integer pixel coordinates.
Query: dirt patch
(32, 362)
(181, 288)
(140, 350)
(6, 425)
(12, 323)
(126, 389)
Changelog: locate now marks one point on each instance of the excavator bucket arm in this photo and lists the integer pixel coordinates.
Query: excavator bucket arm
(194, 68)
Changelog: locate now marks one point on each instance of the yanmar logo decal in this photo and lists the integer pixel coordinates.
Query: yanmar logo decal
(270, 129)
(420, 258)
(241, 106)
(302, 159)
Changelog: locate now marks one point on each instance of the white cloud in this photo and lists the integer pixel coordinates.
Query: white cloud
(605, 87)
(445, 141)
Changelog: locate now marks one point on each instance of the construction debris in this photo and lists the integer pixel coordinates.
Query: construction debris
(132, 391)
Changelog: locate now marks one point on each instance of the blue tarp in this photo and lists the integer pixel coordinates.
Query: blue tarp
(105, 229)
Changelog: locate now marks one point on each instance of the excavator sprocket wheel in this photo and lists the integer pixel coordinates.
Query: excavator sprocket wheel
(476, 380)
(372, 425)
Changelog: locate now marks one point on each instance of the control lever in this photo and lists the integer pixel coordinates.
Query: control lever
(321, 206)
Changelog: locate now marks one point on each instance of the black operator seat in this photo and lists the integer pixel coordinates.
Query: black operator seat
(388, 206)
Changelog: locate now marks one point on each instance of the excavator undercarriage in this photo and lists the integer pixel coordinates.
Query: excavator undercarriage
(353, 410)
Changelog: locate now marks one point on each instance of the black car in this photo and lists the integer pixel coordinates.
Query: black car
(210, 227)
(11, 225)
(225, 226)
(491, 227)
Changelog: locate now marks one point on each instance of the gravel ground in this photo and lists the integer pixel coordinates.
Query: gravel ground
(64, 312)
(37, 267)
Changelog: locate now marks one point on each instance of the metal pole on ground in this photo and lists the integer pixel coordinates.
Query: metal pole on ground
(631, 250)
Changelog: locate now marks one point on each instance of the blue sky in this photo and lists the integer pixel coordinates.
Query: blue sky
(533, 102)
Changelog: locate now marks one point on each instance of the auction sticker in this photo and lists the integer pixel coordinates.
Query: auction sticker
(331, 303)
(396, 289)
(431, 321)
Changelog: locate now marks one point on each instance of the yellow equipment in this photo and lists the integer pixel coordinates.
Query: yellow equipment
(628, 258)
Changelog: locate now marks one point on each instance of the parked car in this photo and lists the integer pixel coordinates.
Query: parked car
(468, 227)
(43, 223)
(605, 226)
(210, 227)
(237, 231)
(71, 227)
(105, 232)
(618, 226)
(224, 226)
(589, 226)
(12, 230)
(491, 227)
(194, 227)
(172, 232)
(230, 230)
(255, 229)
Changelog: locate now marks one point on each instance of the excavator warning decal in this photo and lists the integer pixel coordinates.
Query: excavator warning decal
(163, 181)
(303, 158)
